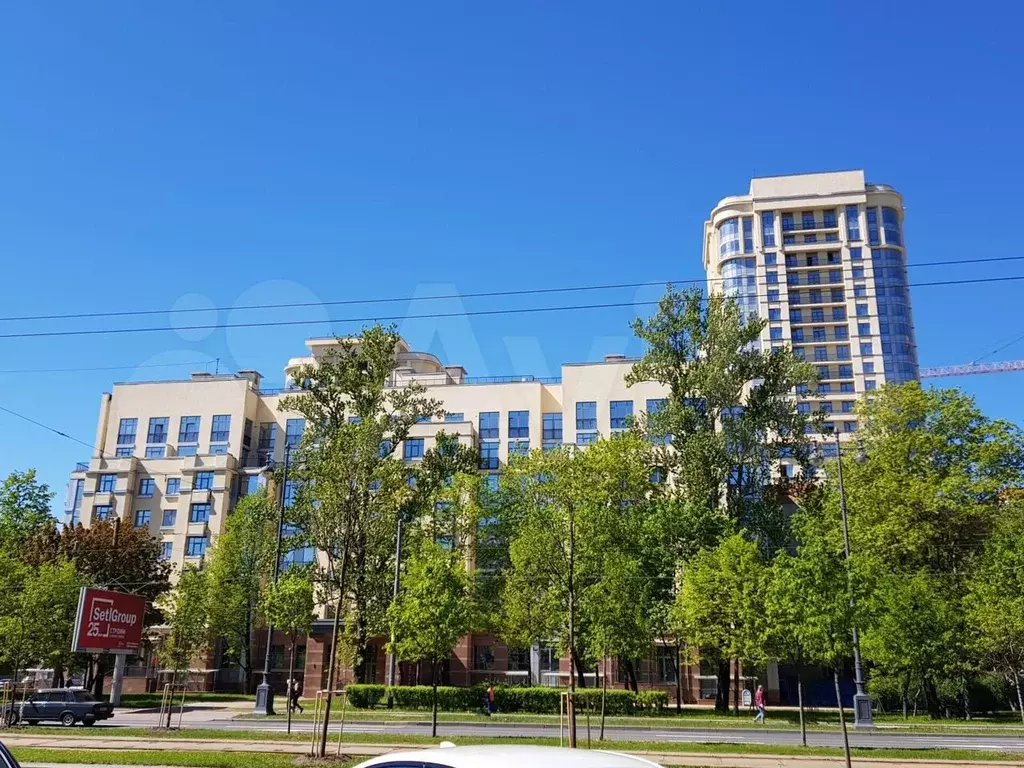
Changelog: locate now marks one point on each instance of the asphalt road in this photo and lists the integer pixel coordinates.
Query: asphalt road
(223, 719)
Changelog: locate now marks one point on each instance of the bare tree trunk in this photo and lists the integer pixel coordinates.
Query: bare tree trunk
(679, 678)
(334, 652)
(581, 671)
(842, 718)
(572, 627)
(722, 694)
(736, 686)
(604, 693)
(800, 703)
(1020, 694)
(291, 683)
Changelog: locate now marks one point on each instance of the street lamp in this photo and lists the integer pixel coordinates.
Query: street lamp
(264, 693)
(861, 701)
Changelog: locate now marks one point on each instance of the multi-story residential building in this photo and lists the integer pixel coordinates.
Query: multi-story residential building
(821, 257)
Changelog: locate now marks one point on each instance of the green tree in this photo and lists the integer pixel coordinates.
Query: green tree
(432, 612)
(354, 489)
(24, 509)
(187, 610)
(996, 598)
(288, 605)
(239, 569)
(720, 605)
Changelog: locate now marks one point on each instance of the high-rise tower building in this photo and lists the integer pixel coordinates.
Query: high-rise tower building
(821, 257)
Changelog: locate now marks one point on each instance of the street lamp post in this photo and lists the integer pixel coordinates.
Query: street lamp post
(861, 701)
(264, 693)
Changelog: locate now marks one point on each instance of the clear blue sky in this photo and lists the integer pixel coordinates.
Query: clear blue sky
(212, 154)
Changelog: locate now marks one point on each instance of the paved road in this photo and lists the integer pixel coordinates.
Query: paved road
(222, 718)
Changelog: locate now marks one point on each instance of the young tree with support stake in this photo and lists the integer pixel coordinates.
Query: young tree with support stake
(288, 605)
(354, 487)
(433, 610)
(187, 611)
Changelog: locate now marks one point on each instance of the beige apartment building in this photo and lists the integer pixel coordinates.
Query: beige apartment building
(821, 256)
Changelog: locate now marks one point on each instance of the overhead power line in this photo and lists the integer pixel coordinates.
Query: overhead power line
(476, 295)
(105, 367)
(23, 417)
(439, 315)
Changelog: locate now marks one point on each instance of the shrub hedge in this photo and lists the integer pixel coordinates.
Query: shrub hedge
(535, 700)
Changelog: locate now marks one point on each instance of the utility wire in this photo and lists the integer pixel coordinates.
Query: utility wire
(44, 426)
(105, 367)
(438, 315)
(478, 295)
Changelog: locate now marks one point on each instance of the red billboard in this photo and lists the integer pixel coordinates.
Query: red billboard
(108, 622)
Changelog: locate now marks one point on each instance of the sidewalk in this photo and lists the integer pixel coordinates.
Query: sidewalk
(369, 750)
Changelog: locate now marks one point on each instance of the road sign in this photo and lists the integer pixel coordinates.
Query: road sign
(746, 697)
(108, 622)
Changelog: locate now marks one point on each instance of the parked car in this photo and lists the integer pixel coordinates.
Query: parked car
(493, 756)
(6, 758)
(65, 705)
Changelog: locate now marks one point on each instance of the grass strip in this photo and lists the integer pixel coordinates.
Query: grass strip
(159, 757)
(963, 755)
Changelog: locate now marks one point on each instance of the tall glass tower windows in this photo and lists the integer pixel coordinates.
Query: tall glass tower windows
(873, 226)
(896, 329)
(729, 237)
(768, 229)
(891, 226)
(748, 234)
(852, 224)
(739, 281)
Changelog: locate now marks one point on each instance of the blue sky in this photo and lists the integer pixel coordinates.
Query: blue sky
(207, 155)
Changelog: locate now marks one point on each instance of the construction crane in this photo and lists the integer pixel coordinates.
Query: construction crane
(971, 368)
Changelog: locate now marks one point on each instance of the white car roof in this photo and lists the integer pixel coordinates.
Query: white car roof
(497, 756)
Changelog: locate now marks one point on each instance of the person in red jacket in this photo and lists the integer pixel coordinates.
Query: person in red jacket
(759, 704)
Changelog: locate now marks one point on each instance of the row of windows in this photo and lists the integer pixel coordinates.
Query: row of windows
(838, 314)
(195, 546)
(202, 481)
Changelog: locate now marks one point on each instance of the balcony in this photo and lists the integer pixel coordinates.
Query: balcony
(82, 466)
(208, 462)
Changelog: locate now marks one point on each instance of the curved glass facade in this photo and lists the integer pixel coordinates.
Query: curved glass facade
(729, 237)
(895, 323)
(891, 226)
(739, 281)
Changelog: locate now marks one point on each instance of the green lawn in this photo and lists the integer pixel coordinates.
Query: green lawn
(247, 758)
(153, 699)
(159, 757)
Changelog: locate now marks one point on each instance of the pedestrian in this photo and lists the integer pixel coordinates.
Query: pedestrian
(294, 693)
(492, 705)
(759, 703)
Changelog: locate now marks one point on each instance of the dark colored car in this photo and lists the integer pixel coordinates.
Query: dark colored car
(65, 705)
(6, 758)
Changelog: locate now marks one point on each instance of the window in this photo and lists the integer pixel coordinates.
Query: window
(169, 518)
(488, 427)
(199, 513)
(124, 451)
(828, 218)
(142, 518)
(860, 290)
(155, 451)
(862, 310)
(807, 220)
(729, 237)
(518, 423)
(126, 431)
(489, 455)
(835, 275)
(846, 386)
(355, 419)
(483, 657)
(817, 315)
(768, 228)
(811, 260)
(772, 277)
(107, 483)
(102, 511)
(848, 406)
(787, 222)
(852, 223)
(586, 438)
(666, 662)
(795, 315)
(553, 426)
(195, 546)
(188, 429)
(203, 481)
(823, 372)
(858, 273)
(863, 329)
(891, 226)
(842, 333)
(220, 449)
(586, 415)
(815, 296)
(869, 367)
(248, 484)
(424, 419)
(775, 332)
(267, 442)
(454, 417)
(810, 238)
(798, 334)
(293, 430)
(826, 407)
(838, 313)
(873, 226)
(146, 487)
(621, 411)
(413, 448)
(221, 429)
(799, 353)
(836, 294)
(748, 234)
(819, 334)
(814, 278)
(789, 239)
(771, 258)
(869, 384)
(866, 348)
(773, 295)
(828, 426)
(157, 430)
(803, 407)
(856, 255)
(491, 482)
(849, 426)
(774, 314)
(843, 352)
(166, 550)
(518, 659)
(518, 447)
(845, 371)
(821, 353)
(173, 484)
